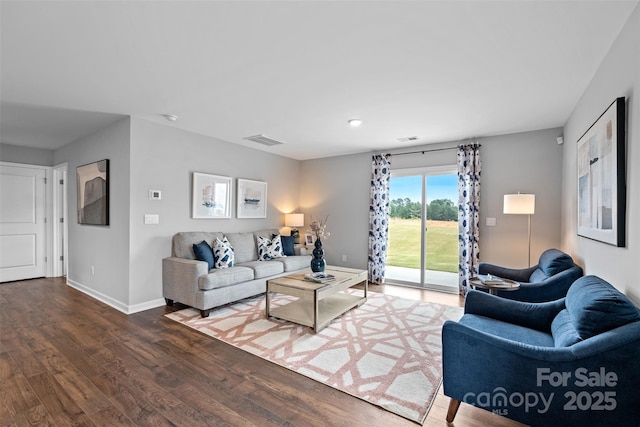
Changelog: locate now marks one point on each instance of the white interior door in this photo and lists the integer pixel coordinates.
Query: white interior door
(22, 222)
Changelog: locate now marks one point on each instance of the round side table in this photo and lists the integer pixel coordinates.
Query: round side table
(504, 285)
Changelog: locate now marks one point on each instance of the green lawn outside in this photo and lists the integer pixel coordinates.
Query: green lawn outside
(442, 244)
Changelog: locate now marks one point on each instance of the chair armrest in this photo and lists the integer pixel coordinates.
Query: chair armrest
(180, 279)
(550, 289)
(531, 315)
(455, 335)
(519, 275)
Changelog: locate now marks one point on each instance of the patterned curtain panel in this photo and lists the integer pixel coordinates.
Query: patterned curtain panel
(468, 213)
(379, 217)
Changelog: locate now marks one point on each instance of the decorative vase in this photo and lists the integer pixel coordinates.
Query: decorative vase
(317, 262)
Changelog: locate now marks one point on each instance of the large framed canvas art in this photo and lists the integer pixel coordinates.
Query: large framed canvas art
(93, 193)
(601, 177)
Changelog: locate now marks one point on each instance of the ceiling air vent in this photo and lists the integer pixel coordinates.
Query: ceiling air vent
(264, 140)
(408, 139)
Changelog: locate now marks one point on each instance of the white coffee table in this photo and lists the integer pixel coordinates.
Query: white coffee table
(317, 304)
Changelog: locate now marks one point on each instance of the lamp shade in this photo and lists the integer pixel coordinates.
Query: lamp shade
(519, 204)
(294, 220)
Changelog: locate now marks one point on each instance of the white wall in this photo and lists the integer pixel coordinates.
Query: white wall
(104, 247)
(339, 187)
(618, 75)
(164, 158)
(127, 254)
(26, 155)
(526, 162)
(529, 162)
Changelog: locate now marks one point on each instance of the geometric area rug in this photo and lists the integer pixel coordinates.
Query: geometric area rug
(386, 352)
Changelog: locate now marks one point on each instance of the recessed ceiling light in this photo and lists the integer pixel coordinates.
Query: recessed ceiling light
(355, 122)
(170, 117)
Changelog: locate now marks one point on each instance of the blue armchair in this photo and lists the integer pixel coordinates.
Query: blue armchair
(570, 362)
(549, 280)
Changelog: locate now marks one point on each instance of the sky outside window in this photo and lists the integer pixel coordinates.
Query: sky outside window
(438, 187)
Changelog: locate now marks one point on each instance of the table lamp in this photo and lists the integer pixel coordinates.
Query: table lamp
(294, 220)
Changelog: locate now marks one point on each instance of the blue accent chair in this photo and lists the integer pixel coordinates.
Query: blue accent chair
(549, 280)
(570, 362)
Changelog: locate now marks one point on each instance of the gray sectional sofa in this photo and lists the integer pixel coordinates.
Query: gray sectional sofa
(189, 281)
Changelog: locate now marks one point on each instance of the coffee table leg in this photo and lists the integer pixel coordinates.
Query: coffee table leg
(267, 302)
(315, 311)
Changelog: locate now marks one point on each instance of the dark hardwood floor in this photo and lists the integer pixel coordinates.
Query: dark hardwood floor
(67, 359)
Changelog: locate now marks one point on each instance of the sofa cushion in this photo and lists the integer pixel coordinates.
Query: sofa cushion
(563, 331)
(182, 242)
(223, 253)
(221, 278)
(553, 261)
(244, 246)
(269, 249)
(595, 307)
(203, 252)
(264, 268)
(293, 263)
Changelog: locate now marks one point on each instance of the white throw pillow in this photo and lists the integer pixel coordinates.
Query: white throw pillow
(269, 249)
(223, 253)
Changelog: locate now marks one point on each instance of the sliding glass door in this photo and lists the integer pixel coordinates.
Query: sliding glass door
(423, 228)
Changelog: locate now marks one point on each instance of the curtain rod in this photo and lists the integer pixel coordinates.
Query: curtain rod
(424, 151)
(427, 151)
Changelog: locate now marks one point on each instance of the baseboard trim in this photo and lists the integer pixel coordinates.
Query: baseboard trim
(118, 305)
(146, 305)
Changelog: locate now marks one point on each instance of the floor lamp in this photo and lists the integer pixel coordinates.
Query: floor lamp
(521, 204)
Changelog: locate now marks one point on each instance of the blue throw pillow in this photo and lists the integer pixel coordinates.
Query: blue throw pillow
(288, 247)
(595, 307)
(203, 252)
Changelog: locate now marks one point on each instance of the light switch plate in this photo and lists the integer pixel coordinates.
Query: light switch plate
(491, 222)
(152, 219)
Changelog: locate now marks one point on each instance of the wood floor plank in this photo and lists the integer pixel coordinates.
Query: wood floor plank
(67, 359)
(8, 368)
(35, 416)
(57, 402)
(81, 390)
(17, 395)
(128, 401)
(111, 417)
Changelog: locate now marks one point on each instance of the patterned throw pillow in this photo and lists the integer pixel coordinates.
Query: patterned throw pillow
(269, 249)
(223, 253)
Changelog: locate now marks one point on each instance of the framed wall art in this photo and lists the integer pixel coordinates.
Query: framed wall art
(308, 239)
(601, 177)
(93, 193)
(252, 199)
(211, 196)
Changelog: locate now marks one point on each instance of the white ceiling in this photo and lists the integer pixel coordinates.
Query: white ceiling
(296, 71)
